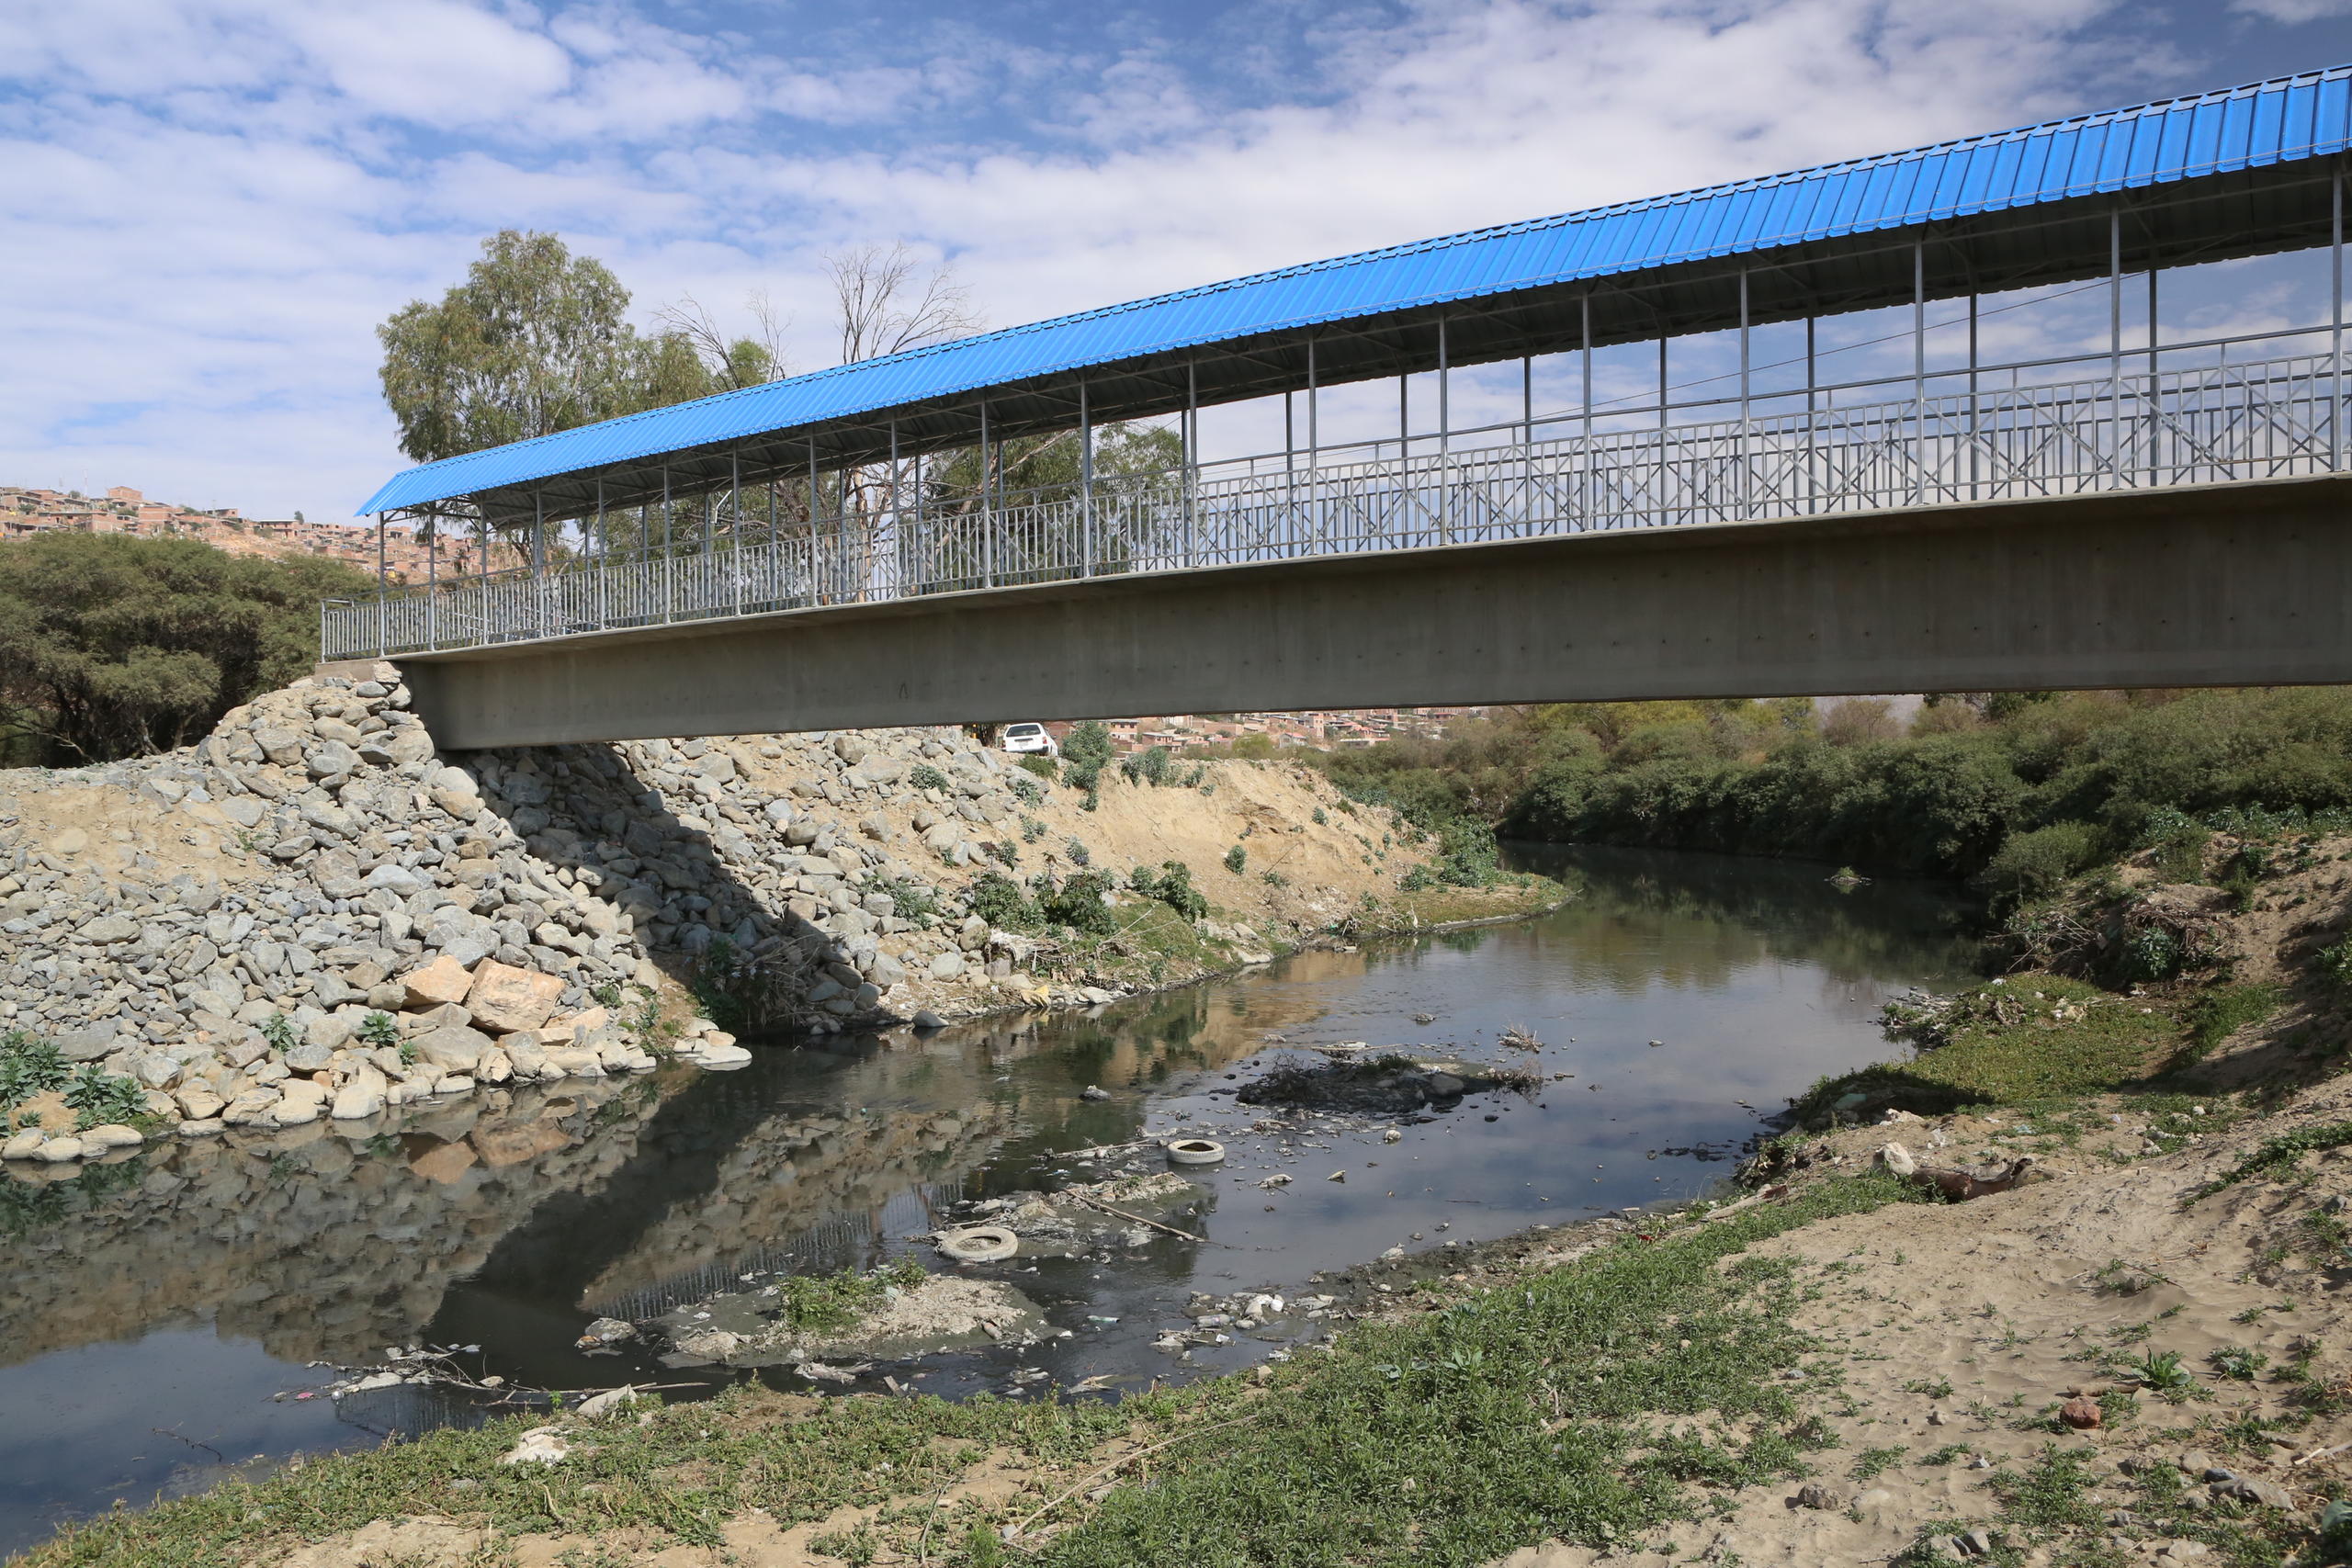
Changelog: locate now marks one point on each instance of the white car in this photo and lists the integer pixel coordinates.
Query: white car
(1030, 738)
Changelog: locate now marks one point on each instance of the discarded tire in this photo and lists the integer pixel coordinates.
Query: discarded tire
(979, 1244)
(1195, 1151)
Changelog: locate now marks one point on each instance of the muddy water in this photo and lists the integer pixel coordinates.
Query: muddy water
(160, 1319)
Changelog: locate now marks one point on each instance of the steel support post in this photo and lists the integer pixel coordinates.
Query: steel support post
(669, 565)
(814, 597)
(2335, 322)
(432, 586)
(735, 527)
(2156, 432)
(1191, 465)
(2115, 340)
(898, 533)
(1314, 530)
(1587, 503)
(1527, 444)
(539, 565)
(1445, 440)
(1921, 445)
(1975, 416)
(1658, 496)
(988, 506)
(1747, 456)
(1085, 485)
(1813, 458)
(383, 608)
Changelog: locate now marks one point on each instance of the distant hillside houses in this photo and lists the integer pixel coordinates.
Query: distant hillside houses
(123, 510)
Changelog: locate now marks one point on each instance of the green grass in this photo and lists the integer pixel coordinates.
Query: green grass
(2039, 1038)
(823, 1303)
(2222, 1011)
(2275, 1154)
(1463, 1401)
(680, 1475)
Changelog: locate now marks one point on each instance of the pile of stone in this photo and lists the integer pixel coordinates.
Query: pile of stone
(390, 924)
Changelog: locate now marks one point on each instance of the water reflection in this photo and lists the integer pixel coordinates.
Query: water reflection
(215, 1270)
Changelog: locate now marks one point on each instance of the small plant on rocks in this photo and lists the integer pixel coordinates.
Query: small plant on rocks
(1236, 859)
(1045, 767)
(922, 776)
(98, 1098)
(29, 1066)
(378, 1029)
(1027, 791)
(911, 901)
(278, 1031)
(1032, 830)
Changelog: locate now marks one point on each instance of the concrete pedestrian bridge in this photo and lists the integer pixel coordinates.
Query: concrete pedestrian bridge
(2056, 407)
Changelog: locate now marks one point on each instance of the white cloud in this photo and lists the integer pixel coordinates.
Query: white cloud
(2292, 12)
(214, 201)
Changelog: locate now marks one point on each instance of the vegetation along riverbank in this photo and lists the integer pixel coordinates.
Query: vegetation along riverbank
(2126, 1349)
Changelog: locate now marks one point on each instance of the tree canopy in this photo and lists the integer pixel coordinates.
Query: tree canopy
(537, 340)
(112, 646)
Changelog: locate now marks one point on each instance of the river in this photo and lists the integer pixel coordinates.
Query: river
(161, 1317)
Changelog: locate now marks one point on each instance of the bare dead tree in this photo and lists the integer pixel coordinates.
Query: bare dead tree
(890, 303)
(732, 362)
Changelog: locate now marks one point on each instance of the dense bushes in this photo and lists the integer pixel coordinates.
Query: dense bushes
(111, 646)
(2016, 791)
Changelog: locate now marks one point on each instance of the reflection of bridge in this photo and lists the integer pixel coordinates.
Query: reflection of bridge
(2129, 504)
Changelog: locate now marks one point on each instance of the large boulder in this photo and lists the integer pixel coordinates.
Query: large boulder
(452, 1049)
(508, 1000)
(439, 983)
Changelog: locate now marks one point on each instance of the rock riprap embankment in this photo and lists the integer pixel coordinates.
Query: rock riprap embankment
(313, 915)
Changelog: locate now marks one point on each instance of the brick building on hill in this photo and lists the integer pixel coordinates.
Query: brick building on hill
(25, 512)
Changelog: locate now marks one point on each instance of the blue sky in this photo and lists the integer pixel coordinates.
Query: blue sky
(208, 203)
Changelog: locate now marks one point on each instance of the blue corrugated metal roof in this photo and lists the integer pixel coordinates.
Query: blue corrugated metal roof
(2271, 122)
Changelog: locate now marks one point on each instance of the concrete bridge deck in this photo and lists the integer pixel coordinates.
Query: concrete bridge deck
(2230, 584)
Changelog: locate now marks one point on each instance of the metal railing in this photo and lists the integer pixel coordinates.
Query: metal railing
(2116, 431)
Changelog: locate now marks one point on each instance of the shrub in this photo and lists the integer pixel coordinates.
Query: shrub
(2032, 866)
(1032, 830)
(112, 646)
(1077, 852)
(1173, 887)
(1045, 767)
(998, 899)
(1085, 752)
(922, 776)
(30, 1066)
(2335, 963)
(380, 1030)
(1319, 817)
(1079, 903)
(1236, 859)
(1028, 791)
(1152, 767)
(911, 901)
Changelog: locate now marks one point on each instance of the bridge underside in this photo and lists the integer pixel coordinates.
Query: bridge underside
(2237, 585)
